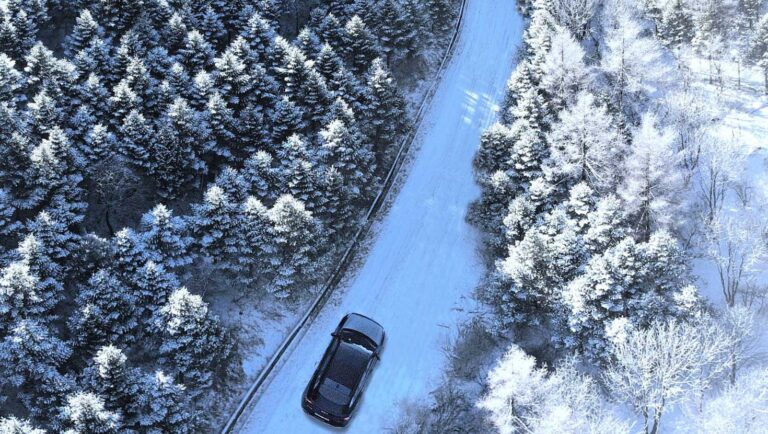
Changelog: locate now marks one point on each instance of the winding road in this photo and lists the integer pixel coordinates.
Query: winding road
(422, 266)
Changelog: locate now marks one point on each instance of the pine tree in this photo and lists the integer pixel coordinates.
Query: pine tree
(331, 31)
(441, 13)
(175, 33)
(211, 27)
(86, 30)
(215, 223)
(287, 119)
(45, 72)
(539, 267)
(223, 128)
(19, 297)
(128, 252)
(106, 312)
(197, 53)
(56, 177)
(308, 42)
(85, 413)
(260, 37)
(633, 281)
(94, 95)
(652, 181)
(607, 224)
(31, 359)
(346, 152)
(12, 425)
(42, 266)
(118, 384)
(385, 108)
(257, 247)
(11, 82)
(296, 234)
(260, 176)
(233, 79)
(359, 45)
(496, 145)
(165, 406)
(193, 343)
(152, 285)
(9, 224)
(586, 146)
(123, 101)
(392, 30)
(677, 24)
(750, 11)
(99, 144)
(165, 237)
(136, 137)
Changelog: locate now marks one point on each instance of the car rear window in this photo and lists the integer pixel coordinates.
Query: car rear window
(334, 392)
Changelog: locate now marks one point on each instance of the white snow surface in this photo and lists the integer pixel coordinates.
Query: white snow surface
(421, 270)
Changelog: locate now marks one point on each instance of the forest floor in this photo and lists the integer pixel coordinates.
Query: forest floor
(740, 117)
(422, 267)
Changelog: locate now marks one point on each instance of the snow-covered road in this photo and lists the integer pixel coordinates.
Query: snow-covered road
(423, 263)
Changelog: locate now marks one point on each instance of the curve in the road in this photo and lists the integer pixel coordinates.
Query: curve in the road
(422, 267)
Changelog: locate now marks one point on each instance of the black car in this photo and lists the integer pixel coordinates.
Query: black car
(336, 386)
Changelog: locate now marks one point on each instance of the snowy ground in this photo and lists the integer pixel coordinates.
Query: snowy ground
(741, 117)
(421, 270)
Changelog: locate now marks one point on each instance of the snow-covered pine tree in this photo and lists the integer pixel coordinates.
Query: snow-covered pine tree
(395, 36)
(165, 237)
(564, 71)
(216, 225)
(607, 224)
(165, 406)
(48, 274)
(112, 379)
(296, 234)
(260, 176)
(677, 23)
(136, 135)
(287, 120)
(45, 72)
(585, 146)
(85, 413)
(530, 148)
(197, 53)
(384, 114)
(496, 146)
(636, 282)
(106, 312)
(652, 181)
(539, 267)
(128, 252)
(85, 30)
(12, 425)
(441, 13)
(11, 82)
(99, 144)
(194, 346)
(152, 285)
(360, 46)
(257, 249)
(347, 153)
(19, 296)
(31, 362)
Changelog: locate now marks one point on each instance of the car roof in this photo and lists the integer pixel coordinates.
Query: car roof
(348, 364)
(366, 326)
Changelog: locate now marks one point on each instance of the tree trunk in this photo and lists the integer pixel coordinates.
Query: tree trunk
(109, 223)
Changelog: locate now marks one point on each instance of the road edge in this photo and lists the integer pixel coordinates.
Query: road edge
(370, 217)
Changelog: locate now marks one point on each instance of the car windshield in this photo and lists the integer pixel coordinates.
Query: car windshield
(356, 338)
(344, 372)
